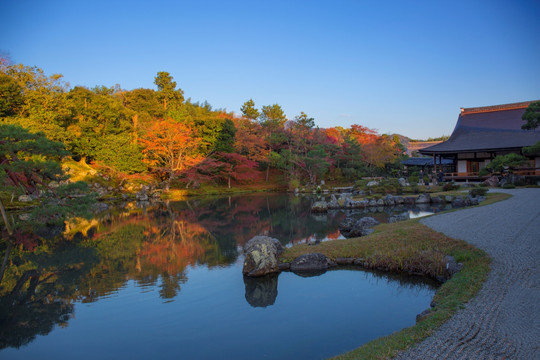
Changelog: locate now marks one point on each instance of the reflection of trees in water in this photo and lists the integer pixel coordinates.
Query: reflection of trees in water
(97, 257)
(234, 220)
(401, 281)
(30, 309)
(151, 248)
(39, 290)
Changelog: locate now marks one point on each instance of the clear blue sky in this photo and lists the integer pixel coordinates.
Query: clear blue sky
(397, 66)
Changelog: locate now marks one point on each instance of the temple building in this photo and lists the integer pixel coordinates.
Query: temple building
(481, 133)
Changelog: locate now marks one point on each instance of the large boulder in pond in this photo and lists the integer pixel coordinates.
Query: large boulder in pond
(261, 256)
(311, 262)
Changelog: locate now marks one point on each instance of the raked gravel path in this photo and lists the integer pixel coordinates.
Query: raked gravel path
(503, 321)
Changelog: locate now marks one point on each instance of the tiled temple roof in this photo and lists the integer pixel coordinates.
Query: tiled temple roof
(488, 128)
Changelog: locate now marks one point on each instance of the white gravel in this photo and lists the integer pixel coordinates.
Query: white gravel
(503, 321)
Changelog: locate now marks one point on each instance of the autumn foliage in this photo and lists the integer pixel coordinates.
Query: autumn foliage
(162, 133)
(170, 146)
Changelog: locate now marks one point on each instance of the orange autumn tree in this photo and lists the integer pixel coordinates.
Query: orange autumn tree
(249, 139)
(171, 147)
(377, 150)
(381, 151)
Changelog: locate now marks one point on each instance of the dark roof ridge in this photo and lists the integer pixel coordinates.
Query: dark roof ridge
(491, 108)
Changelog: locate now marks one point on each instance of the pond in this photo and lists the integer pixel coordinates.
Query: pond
(165, 281)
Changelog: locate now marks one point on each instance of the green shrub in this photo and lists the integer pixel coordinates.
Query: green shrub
(388, 186)
(478, 192)
(450, 187)
(509, 186)
(360, 183)
(506, 162)
(520, 183)
(484, 172)
(294, 183)
(413, 179)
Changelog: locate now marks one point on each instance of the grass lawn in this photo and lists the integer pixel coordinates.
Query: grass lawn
(411, 247)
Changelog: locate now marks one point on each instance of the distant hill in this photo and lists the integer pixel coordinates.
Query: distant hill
(415, 145)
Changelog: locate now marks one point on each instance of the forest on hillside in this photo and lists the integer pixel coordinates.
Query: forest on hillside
(161, 133)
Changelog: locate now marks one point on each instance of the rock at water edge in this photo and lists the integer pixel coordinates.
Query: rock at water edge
(261, 256)
(311, 262)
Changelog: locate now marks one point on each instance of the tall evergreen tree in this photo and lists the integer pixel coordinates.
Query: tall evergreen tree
(167, 92)
(249, 110)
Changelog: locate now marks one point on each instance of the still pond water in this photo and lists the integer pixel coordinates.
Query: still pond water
(166, 282)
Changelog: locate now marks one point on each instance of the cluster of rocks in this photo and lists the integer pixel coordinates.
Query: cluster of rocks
(357, 227)
(27, 198)
(507, 179)
(147, 193)
(345, 201)
(142, 192)
(351, 227)
(401, 181)
(262, 254)
(262, 258)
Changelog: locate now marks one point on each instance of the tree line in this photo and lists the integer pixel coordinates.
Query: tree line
(159, 131)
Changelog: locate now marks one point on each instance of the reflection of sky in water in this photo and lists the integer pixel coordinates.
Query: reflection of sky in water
(418, 214)
(165, 282)
(213, 318)
(313, 239)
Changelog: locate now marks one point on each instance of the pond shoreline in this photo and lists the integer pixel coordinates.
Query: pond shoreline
(379, 249)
